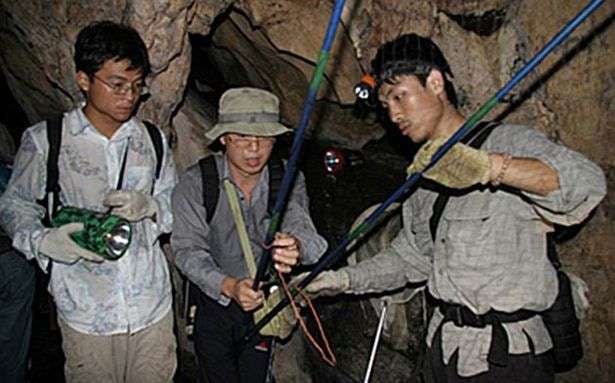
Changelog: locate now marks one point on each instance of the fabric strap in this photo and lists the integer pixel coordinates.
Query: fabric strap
(240, 224)
(120, 178)
(282, 324)
(248, 117)
(154, 134)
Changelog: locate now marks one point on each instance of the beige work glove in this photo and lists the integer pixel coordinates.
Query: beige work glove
(130, 205)
(328, 283)
(59, 246)
(461, 167)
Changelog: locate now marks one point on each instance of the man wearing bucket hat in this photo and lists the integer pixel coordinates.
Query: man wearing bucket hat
(208, 244)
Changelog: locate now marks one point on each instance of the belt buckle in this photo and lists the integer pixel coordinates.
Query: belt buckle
(467, 318)
(480, 321)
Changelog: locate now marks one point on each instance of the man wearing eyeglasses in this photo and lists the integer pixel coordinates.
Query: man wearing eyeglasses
(115, 316)
(207, 246)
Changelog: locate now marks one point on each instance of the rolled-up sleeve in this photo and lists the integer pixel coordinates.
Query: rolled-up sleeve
(20, 215)
(189, 237)
(582, 184)
(297, 221)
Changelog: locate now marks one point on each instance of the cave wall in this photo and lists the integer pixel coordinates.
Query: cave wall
(37, 40)
(274, 44)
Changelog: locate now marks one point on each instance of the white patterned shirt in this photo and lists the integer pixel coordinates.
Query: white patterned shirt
(112, 297)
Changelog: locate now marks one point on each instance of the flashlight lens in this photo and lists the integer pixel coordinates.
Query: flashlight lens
(118, 240)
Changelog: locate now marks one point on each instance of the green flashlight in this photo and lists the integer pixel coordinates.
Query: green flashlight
(104, 234)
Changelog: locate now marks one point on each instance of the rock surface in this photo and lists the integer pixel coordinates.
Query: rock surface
(275, 44)
(7, 146)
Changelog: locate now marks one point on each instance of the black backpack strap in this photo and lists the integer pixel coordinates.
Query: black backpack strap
(52, 186)
(211, 191)
(552, 251)
(120, 178)
(276, 173)
(210, 179)
(475, 139)
(156, 138)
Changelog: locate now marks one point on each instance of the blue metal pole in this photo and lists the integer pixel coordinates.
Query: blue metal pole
(291, 165)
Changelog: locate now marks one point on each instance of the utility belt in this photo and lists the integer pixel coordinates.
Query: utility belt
(461, 316)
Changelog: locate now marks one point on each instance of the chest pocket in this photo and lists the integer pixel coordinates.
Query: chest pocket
(469, 231)
(465, 227)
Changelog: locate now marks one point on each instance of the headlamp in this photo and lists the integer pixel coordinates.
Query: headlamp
(365, 93)
(364, 90)
(334, 161)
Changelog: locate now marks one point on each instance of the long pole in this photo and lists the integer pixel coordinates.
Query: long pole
(334, 255)
(295, 151)
(372, 356)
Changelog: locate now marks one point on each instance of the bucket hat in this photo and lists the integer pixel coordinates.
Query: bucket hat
(249, 111)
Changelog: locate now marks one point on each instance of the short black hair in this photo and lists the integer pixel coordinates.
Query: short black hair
(107, 40)
(411, 54)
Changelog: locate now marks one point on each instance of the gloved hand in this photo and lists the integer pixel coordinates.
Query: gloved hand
(59, 246)
(328, 283)
(461, 167)
(130, 205)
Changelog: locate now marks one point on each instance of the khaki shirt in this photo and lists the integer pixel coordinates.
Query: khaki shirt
(490, 248)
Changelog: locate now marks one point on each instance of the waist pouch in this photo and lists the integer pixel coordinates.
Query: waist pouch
(563, 326)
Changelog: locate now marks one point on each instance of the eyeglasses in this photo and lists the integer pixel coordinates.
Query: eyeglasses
(245, 141)
(121, 88)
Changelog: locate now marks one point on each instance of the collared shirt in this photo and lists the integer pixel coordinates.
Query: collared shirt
(490, 248)
(208, 252)
(112, 297)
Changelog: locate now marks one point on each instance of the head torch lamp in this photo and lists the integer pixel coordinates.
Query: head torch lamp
(104, 234)
(365, 96)
(365, 89)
